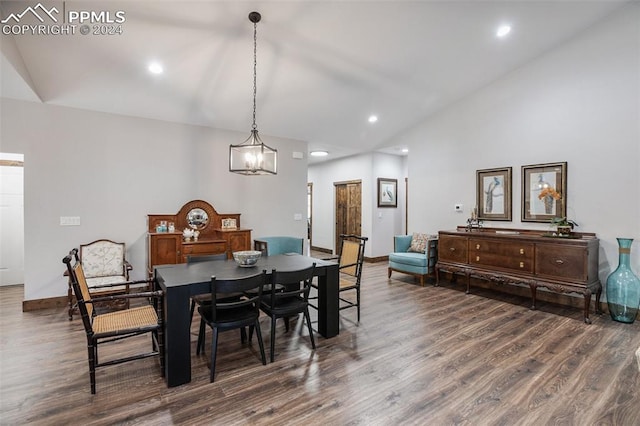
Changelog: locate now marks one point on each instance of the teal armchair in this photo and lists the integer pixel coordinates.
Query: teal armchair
(270, 246)
(420, 265)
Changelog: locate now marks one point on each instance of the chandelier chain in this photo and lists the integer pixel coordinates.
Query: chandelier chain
(255, 67)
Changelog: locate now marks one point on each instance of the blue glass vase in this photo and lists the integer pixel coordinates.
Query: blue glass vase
(623, 286)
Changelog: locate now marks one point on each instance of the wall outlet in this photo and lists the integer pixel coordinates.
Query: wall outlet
(458, 208)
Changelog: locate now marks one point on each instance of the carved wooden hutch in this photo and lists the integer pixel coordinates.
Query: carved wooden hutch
(166, 247)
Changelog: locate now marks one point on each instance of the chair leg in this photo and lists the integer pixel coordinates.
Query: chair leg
(92, 366)
(251, 327)
(201, 336)
(273, 338)
(286, 324)
(214, 350)
(160, 339)
(308, 318)
(193, 308)
(358, 301)
(260, 342)
(243, 335)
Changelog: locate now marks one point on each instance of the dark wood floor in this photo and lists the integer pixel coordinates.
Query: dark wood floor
(420, 355)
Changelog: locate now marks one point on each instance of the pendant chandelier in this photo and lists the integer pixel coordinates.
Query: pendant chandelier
(253, 157)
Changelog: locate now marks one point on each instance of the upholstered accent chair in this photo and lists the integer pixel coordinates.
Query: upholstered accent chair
(104, 262)
(415, 255)
(270, 246)
(105, 268)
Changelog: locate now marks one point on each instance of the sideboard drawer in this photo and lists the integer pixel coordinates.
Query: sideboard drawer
(561, 262)
(453, 249)
(516, 256)
(209, 247)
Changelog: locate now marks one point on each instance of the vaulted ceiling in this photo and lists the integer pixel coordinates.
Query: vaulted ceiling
(323, 66)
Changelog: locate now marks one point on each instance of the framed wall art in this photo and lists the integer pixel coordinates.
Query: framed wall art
(387, 192)
(228, 223)
(544, 192)
(493, 194)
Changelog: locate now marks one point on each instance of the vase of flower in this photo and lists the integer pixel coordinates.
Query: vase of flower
(623, 286)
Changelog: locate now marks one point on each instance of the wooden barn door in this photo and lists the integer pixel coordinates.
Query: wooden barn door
(348, 210)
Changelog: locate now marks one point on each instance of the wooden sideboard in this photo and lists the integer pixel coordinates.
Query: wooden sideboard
(170, 247)
(523, 257)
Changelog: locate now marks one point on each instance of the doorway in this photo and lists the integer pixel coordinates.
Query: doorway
(11, 219)
(348, 210)
(309, 212)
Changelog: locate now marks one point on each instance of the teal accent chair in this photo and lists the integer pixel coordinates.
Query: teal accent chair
(270, 246)
(420, 265)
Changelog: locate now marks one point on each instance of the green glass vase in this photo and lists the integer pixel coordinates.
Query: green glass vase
(623, 286)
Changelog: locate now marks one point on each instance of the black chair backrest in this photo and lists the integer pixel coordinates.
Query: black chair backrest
(250, 287)
(193, 258)
(295, 283)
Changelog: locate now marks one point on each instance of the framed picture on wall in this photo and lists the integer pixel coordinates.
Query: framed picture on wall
(493, 194)
(544, 192)
(387, 192)
(228, 223)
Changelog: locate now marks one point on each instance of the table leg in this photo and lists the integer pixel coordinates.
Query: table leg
(328, 302)
(177, 338)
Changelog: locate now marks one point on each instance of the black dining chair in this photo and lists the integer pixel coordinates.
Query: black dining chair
(205, 298)
(225, 314)
(289, 300)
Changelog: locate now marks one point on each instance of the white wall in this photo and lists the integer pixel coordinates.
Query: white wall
(578, 103)
(112, 171)
(386, 221)
(379, 224)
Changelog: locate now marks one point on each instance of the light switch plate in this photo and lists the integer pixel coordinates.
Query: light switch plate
(459, 208)
(69, 220)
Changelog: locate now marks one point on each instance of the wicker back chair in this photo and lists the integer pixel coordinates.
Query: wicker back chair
(351, 261)
(118, 325)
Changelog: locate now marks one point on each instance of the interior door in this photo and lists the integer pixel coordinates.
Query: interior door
(11, 222)
(348, 210)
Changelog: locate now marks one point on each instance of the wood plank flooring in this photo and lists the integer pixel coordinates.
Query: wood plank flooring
(420, 355)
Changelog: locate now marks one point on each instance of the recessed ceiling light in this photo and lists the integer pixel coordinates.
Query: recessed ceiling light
(318, 153)
(155, 68)
(503, 30)
(405, 150)
(373, 118)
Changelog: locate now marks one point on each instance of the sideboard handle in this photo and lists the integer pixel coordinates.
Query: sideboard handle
(559, 261)
(452, 249)
(521, 251)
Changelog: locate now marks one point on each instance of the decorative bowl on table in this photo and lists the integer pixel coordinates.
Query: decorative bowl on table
(246, 258)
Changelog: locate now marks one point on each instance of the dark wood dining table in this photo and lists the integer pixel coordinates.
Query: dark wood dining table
(180, 282)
